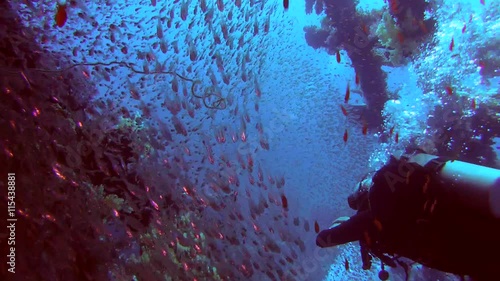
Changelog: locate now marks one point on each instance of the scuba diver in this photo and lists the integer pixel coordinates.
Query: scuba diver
(441, 213)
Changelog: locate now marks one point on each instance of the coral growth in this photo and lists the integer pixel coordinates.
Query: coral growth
(396, 47)
(316, 37)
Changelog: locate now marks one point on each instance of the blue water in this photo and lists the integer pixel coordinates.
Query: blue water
(147, 59)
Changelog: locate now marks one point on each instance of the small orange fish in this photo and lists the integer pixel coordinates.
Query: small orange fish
(473, 104)
(347, 93)
(391, 130)
(220, 5)
(394, 6)
(344, 111)
(284, 201)
(346, 136)
(346, 264)
(316, 226)
(396, 138)
(401, 37)
(61, 15)
(452, 44)
(338, 56)
(356, 79)
(86, 74)
(159, 29)
(365, 29)
(449, 90)
(285, 4)
(365, 129)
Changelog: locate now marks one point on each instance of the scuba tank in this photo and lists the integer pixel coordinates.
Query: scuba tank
(469, 185)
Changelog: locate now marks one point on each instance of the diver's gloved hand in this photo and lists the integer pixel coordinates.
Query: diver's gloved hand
(338, 221)
(345, 230)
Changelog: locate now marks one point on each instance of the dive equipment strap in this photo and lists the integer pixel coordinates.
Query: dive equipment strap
(436, 164)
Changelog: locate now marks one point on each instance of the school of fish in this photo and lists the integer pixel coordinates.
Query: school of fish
(184, 68)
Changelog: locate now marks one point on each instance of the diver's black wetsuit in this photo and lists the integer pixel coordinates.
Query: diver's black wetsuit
(408, 214)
